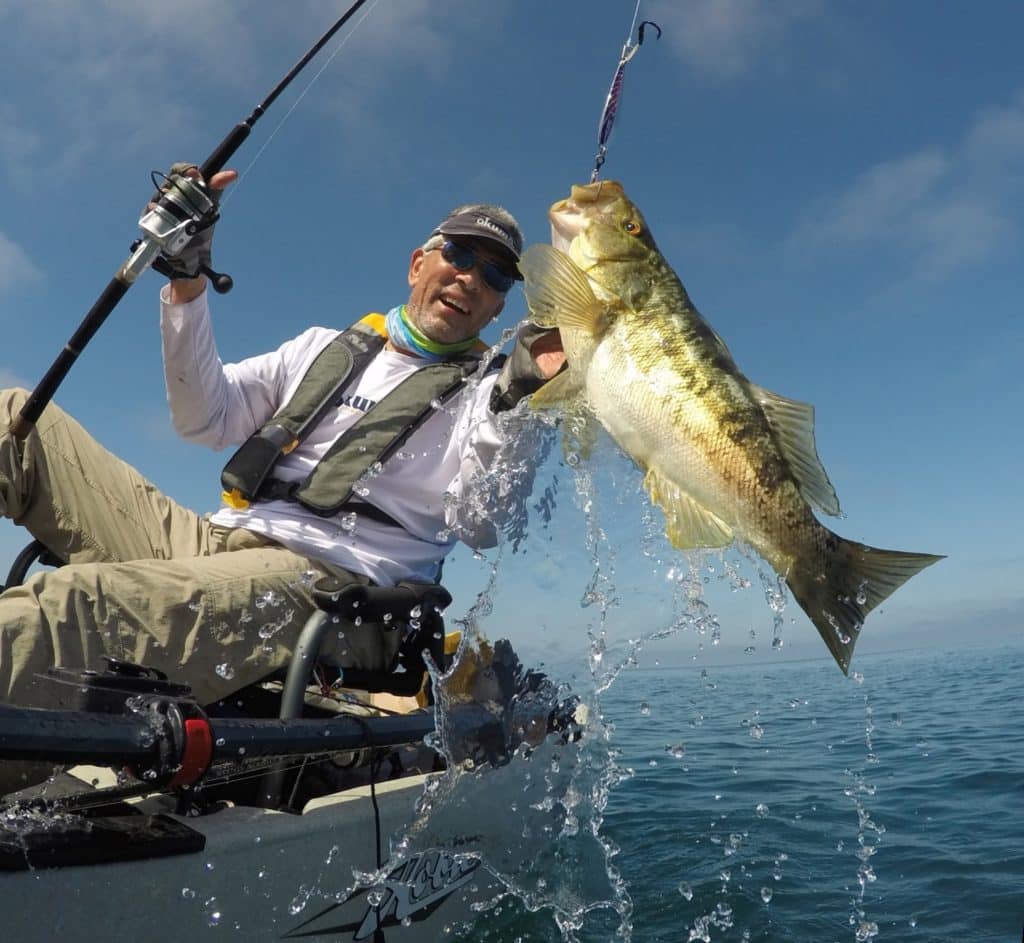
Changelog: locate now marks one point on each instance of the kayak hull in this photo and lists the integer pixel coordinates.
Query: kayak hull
(261, 875)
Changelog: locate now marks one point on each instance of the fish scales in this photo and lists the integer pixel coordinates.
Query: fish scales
(723, 458)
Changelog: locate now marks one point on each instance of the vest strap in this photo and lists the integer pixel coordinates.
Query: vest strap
(332, 487)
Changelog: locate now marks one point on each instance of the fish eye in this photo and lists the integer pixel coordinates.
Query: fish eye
(631, 227)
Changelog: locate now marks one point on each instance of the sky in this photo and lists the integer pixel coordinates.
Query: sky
(840, 187)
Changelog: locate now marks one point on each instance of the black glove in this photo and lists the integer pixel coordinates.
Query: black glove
(196, 255)
(519, 375)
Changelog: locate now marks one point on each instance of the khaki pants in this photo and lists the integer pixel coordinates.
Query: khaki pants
(146, 580)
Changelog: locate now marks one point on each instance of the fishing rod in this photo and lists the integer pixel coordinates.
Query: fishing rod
(171, 740)
(177, 212)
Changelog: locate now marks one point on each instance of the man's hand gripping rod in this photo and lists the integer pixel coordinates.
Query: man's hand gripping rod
(180, 210)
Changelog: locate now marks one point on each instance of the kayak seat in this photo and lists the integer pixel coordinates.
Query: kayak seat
(35, 552)
(389, 629)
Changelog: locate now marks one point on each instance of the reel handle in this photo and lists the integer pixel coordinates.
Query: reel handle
(222, 282)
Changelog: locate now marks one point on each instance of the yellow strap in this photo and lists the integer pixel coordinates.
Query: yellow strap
(234, 499)
(376, 322)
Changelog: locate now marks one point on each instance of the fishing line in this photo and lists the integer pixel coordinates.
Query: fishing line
(611, 103)
(230, 192)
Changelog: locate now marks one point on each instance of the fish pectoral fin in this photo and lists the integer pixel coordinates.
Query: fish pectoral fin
(688, 524)
(557, 391)
(558, 292)
(793, 424)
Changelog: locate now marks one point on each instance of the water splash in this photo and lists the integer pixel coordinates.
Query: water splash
(869, 832)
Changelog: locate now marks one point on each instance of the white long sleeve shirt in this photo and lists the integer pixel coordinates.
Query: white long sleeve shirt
(425, 486)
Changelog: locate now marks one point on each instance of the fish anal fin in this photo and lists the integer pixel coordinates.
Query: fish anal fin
(688, 524)
(793, 425)
(558, 292)
(580, 432)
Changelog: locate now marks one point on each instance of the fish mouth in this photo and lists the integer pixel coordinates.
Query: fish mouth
(569, 216)
(566, 225)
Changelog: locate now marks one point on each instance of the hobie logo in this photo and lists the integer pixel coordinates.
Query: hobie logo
(422, 881)
(409, 894)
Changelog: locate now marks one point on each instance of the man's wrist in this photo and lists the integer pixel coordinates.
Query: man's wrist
(183, 290)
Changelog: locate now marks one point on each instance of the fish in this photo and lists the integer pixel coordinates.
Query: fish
(724, 458)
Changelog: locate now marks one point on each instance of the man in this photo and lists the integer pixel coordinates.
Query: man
(219, 602)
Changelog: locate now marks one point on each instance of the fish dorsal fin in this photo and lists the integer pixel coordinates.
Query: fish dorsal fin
(688, 524)
(558, 292)
(793, 424)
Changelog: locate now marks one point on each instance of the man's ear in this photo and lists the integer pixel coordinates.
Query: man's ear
(415, 265)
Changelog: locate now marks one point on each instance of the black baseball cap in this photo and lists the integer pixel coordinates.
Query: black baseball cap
(483, 226)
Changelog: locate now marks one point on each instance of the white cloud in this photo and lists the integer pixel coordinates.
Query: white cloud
(11, 378)
(883, 196)
(15, 266)
(726, 38)
(941, 209)
(124, 71)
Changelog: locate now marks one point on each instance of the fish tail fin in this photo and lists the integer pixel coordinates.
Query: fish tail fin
(838, 590)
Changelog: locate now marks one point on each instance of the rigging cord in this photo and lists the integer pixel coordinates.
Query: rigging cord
(611, 103)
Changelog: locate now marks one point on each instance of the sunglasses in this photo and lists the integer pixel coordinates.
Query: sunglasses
(464, 258)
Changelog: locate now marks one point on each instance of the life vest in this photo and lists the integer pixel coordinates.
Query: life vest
(373, 438)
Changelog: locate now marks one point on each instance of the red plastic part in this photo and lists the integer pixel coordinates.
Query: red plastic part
(198, 752)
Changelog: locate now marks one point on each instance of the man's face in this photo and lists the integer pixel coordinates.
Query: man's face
(448, 305)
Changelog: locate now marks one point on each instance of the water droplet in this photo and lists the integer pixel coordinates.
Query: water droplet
(756, 731)
(761, 809)
(867, 930)
(300, 900)
(676, 750)
(225, 671)
(188, 893)
(269, 598)
(645, 708)
(766, 894)
(686, 890)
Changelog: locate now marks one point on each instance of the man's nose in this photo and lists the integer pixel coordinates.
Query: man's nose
(470, 278)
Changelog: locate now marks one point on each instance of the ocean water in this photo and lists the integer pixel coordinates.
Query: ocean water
(786, 803)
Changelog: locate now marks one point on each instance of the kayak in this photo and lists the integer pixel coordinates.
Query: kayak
(259, 873)
(270, 817)
(271, 848)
